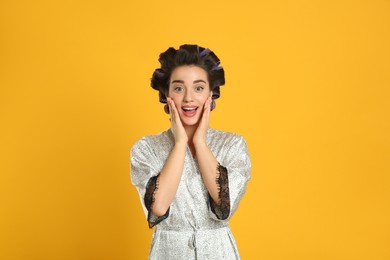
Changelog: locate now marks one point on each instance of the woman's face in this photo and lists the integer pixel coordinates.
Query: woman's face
(189, 89)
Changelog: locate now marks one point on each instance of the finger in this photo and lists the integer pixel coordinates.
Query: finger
(207, 107)
(175, 112)
(207, 112)
(172, 109)
(171, 113)
(169, 107)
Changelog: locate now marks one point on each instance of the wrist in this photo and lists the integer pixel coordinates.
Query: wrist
(200, 144)
(181, 143)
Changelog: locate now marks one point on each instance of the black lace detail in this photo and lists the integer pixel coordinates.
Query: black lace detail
(222, 210)
(151, 189)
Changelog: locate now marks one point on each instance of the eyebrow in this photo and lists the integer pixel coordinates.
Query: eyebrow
(177, 81)
(199, 80)
(182, 81)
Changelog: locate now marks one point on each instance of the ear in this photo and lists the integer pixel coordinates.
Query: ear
(211, 93)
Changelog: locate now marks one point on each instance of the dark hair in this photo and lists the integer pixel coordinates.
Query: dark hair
(187, 54)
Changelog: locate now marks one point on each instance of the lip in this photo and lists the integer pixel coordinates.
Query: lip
(189, 113)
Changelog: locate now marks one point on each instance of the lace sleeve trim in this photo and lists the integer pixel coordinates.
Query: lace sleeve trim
(222, 210)
(151, 188)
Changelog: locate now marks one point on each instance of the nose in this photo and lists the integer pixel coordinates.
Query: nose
(187, 96)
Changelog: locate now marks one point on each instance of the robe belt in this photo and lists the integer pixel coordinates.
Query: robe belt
(194, 230)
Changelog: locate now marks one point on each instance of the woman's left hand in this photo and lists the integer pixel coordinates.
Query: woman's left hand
(201, 132)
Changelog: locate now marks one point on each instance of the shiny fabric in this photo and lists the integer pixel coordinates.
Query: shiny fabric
(191, 230)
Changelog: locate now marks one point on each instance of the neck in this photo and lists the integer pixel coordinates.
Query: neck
(190, 131)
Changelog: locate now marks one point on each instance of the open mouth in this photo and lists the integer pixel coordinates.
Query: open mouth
(189, 111)
(189, 108)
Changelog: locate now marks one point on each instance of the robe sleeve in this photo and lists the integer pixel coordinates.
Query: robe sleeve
(233, 174)
(144, 175)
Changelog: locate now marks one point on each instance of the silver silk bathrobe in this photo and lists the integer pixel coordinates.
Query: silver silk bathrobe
(193, 227)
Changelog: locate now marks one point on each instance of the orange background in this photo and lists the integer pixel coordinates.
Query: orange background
(307, 86)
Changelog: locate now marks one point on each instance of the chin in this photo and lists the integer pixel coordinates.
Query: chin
(190, 122)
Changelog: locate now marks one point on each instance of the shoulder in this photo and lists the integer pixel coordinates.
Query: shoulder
(228, 138)
(229, 148)
(152, 141)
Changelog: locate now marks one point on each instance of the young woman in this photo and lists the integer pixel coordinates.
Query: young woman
(191, 177)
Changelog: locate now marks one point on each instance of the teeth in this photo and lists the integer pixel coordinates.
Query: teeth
(189, 109)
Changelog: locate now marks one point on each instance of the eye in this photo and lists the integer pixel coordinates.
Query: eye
(199, 88)
(178, 88)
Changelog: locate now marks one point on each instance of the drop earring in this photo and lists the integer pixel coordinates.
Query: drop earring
(166, 109)
(213, 105)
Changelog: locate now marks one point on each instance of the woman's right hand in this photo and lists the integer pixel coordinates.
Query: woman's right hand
(177, 127)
